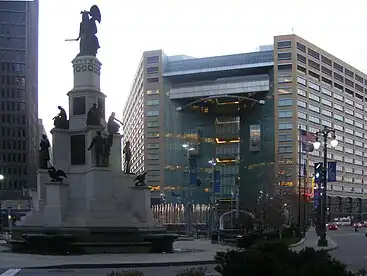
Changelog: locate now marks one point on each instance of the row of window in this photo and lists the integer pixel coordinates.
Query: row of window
(14, 157)
(12, 106)
(12, 145)
(12, 68)
(12, 55)
(18, 81)
(7, 92)
(13, 119)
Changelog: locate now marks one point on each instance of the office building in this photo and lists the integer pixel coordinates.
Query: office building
(18, 96)
(245, 111)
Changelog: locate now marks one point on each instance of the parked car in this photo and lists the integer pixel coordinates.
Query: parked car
(333, 226)
(358, 224)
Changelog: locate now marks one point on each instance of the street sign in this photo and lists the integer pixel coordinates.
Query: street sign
(331, 171)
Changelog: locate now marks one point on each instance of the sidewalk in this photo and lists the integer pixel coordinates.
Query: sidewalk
(202, 253)
(311, 241)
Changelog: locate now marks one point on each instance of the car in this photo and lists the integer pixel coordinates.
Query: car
(358, 225)
(332, 226)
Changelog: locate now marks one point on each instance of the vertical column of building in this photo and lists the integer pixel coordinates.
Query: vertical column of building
(285, 109)
(18, 96)
(154, 122)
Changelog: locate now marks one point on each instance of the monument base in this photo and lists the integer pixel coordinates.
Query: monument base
(90, 240)
(111, 216)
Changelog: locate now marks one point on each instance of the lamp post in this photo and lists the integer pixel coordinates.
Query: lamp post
(2, 177)
(324, 134)
(213, 195)
(188, 206)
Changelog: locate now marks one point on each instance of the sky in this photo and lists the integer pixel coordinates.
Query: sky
(196, 28)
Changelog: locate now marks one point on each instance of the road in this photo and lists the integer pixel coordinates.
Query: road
(148, 271)
(352, 249)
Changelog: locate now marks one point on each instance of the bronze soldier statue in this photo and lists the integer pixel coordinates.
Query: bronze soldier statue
(127, 159)
(44, 154)
(112, 126)
(98, 143)
(94, 116)
(60, 120)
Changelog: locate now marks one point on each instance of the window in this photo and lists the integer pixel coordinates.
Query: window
(349, 82)
(285, 79)
(284, 44)
(285, 102)
(348, 141)
(348, 150)
(358, 144)
(285, 137)
(152, 113)
(326, 71)
(338, 87)
(313, 108)
(302, 103)
(301, 81)
(338, 77)
(314, 86)
(349, 73)
(301, 47)
(349, 102)
(302, 115)
(358, 115)
(153, 102)
(338, 67)
(359, 106)
(313, 53)
(285, 114)
(301, 69)
(327, 113)
(285, 67)
(326, 60)
(326, 123)
(153, 134)
(152, 124)
(338, 107)
(314, 97)
(301, 58)
(348, 111)
(358, 134)
(314, 119)
(358, 124)
(349, 121)
(358, 78)
(285, 126)
(338, 127)
(152, 92)
(285, 149)
(302, 92)
(284, 56)
(326, 102)
(285, 90)
(153, 59)
(152, 80)
(153, 156)
(326, 91)
(326, 81)
(153, 146)
(313, 64)
(338, 97)
(338, 117)
(152, 70)
(349, 131)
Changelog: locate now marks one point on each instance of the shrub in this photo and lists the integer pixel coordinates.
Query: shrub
(196, 271)
(277, 259)
(130, 272)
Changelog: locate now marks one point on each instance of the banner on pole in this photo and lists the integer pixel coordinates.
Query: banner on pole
(331, 171)
(217, 182)
(193, 173)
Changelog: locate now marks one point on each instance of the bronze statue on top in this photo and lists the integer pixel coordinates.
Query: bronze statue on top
(112, 126)
(127, 159)
(89, 43)
(94, 116)
(44, 153)
(60, 120)
(98, 144)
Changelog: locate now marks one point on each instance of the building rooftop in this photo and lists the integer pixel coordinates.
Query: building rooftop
(218, 63)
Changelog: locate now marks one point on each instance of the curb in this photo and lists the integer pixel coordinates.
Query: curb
(302, 241)
(122, 265)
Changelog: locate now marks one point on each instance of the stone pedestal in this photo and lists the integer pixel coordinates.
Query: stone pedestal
(61, 154)
(116, 153)
(57, 199)
(42, 178)
(141, 204)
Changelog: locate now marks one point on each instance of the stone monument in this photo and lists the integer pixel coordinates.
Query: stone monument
(96, 208)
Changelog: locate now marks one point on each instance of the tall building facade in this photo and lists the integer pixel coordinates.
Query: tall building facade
(246, 112)
(18, 96)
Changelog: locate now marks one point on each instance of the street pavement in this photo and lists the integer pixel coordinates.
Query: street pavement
(352, 247)
(148, 271)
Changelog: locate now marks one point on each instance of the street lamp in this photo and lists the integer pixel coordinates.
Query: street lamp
(324, 133)
(214, 199)
(188, 206)
(1, 177)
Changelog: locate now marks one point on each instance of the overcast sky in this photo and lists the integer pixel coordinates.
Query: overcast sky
(193, 27)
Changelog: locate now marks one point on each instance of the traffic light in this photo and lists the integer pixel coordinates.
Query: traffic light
(319, 173)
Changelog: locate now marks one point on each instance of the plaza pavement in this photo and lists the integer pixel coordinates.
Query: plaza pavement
(311, 239)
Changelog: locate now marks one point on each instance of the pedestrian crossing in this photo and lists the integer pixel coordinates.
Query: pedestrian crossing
(345, 235)
(10, 272)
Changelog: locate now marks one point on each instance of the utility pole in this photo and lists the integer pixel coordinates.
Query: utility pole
(214, 197)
